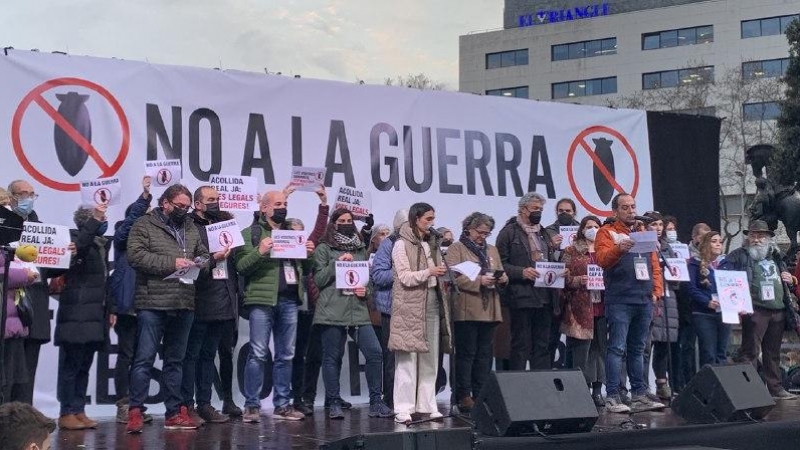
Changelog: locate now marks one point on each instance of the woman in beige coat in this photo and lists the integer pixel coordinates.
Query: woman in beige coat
(476, 309)
(417, 309)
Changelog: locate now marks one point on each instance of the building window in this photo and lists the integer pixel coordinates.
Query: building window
(675, 78)
(766, 27)
(761, 111)
(519, 92)
(678, 38)
(582, 88)
(770, 68)
(584, 49)
(507, 59)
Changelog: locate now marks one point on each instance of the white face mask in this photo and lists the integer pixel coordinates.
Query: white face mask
(672, 236)
(590, 233)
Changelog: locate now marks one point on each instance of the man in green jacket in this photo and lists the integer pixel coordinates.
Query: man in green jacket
(272, 293)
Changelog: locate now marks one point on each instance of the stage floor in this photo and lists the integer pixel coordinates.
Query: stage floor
(310, 433)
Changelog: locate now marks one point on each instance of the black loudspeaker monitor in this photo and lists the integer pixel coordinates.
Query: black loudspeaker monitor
(724, 394)
(520, 403)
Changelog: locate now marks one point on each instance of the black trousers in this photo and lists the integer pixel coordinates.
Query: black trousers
(313, 364)
(23, 392)
(474, 344)
(388, 361)
(224, 383)
(125, 329)
(305, 319)
(530, 337)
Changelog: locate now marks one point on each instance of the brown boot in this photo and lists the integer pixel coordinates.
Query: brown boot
(86, 421)
(466, 404)
(70, 422)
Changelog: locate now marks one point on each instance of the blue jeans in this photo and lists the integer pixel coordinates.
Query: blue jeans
(628, 328)
(74, 362)
(153, 326)
(198, 364)
(283, 318)
(713, 336)
(333, 341)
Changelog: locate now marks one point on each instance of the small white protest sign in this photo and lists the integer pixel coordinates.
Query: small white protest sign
(307, 178)
(351, 274)
(356, 201)
(568, 234)
(551, 274)
(595, 282)
(51, 241)
(236, 193)
(224, 234)
(288, 244)
(102, 191)
(676, 270)
(163, 173)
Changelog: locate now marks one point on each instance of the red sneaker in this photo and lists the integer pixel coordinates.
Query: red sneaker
(180, 421)
(135, 421)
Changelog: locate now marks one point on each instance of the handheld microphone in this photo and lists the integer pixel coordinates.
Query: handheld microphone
(434, 232)
(25, 252)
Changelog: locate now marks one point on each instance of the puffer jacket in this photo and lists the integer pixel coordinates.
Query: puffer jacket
(261, 273)
(666, 317)
(17, 278)
(469, 303)
(152, 250)
(333, 307)
(81, 315)
(409, 299)
(122, 282)
(382, 277)
(215, 300)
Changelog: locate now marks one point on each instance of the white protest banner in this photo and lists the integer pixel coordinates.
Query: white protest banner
(288, 244)
(236, 193)
(103, 191)
(568, 234)
(733, 291)
(356, 201)
(163, 173)
(595, 282)
(676, 270)
(307, 178)
(550, 274)
(224, 234)
(680, 250)
(351, 274)
(51, 241)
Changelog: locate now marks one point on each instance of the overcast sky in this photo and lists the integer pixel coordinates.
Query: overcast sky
(341, 40)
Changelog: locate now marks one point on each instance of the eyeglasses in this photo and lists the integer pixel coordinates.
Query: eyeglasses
(183, 207)
(26, 195)
(482, 233)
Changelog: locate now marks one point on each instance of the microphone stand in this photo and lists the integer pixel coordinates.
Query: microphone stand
(8, 256)
(454, 412)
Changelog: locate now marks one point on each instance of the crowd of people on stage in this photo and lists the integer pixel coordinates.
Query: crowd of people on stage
(413, 310)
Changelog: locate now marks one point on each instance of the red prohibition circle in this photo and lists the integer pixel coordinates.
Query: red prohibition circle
(352, 277)
(35, 95)
(571, 176)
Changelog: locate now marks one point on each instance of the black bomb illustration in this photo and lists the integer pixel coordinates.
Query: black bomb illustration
(603, 151)
(73, 109)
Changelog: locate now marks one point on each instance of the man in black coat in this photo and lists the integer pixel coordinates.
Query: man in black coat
(215, 313)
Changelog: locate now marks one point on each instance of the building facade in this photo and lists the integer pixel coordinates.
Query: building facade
(644, 54)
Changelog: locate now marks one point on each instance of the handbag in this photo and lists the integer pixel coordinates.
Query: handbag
(24, 307)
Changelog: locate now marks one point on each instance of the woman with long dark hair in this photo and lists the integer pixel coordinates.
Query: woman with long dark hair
(342, 310)
(417, 308)
(712, 334)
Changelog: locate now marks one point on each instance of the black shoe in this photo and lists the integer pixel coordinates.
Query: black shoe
(229, 408)
(335, 411)
(304, 408)
(598, 400)
(343, 404)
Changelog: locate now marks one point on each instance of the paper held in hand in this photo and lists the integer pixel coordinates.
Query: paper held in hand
(187, 273)
(224, 234)
(644, 242)
(680, 250)
(288, 244)
(103, 191)
(236, 193)
(595, 282)
(163, 173)
(676, 270)
(568, 234)
(733, 291)
(51, 241)
(356, 201)
(469, 269)
(351, 274)
(551, 274)
(307, 178)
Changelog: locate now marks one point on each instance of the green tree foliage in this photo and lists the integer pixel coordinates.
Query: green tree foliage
(784, 167)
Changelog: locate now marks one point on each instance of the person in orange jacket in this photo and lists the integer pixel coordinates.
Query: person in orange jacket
(633, 283)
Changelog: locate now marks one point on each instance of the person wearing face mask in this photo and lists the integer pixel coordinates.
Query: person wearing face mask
(343, 311)
(476, 308)
(583, 318)
(447, 239)
(420, 316)
(521, 243)
(82, 318)
(272, 294)
(161, 242)
(770, 285)
(215, 313)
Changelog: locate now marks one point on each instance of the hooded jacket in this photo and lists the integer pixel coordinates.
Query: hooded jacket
(619, 275)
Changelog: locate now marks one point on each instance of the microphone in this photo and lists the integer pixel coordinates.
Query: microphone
(644, 219)
(25, 252)
(434, 232)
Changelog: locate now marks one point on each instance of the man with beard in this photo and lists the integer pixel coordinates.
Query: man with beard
(770, 284)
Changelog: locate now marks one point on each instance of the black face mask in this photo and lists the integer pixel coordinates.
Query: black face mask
(564, 219)
(347, 229)
(279, 215)
(177, 215)
(535, 217)
(212, 210)
(447, 242)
